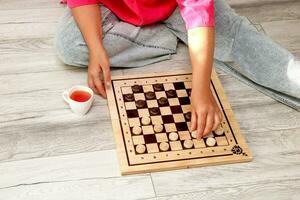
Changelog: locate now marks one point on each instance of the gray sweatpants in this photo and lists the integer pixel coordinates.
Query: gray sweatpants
(241, 50)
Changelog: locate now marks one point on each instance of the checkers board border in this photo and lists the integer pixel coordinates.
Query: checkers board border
(154, 166)
(176, 159)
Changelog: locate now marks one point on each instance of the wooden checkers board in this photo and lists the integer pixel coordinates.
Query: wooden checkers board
(151, 125)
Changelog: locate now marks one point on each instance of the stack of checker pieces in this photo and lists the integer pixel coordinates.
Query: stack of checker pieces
(153, 126)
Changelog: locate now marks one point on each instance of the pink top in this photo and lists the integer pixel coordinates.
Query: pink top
(196, 13)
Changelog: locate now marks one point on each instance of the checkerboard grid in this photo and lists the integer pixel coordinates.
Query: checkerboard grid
(181, 100)
(175, 102)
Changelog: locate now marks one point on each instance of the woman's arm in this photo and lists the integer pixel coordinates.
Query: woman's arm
(206, 115)
(88, 18)
(201, 42)
(199, 19)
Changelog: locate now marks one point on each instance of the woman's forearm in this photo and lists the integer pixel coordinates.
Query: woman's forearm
(89, 21)
(201, 47)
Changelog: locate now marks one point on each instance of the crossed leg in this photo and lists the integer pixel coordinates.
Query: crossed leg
(249, 55)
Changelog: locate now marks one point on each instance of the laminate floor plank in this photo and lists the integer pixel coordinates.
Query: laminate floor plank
(286, 33)
(263, 169)
(46, 152)
(28, 4)
(277, 190)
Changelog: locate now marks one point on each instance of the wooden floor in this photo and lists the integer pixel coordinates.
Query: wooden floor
(46, 152)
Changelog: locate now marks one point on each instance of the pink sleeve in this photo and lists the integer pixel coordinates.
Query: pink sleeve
(197, 13)
(76, 3)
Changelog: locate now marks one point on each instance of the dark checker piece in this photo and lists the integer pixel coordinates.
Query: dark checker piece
(171, 93)
(163, 101)
(150, 95)
(158, 87)
(140, 103)
(154, 111)
(137, 88)
(128, 97)
(188, 116)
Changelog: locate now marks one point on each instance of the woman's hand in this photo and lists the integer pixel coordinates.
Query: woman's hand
(206, 114)
(99, 71)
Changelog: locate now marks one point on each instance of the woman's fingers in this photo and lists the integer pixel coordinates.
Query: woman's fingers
(107, 76)
(99, 85)
(193, 121)
(91, 84)
(209, 123)
(201, 122)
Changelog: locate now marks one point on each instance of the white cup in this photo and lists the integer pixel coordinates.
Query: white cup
(79, 108)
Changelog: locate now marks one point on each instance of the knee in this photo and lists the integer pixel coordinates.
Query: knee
(225, 16)
(67, 45)
(65, 49)
(62, 48)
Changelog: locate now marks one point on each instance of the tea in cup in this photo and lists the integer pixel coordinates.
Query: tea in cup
(79, 98)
